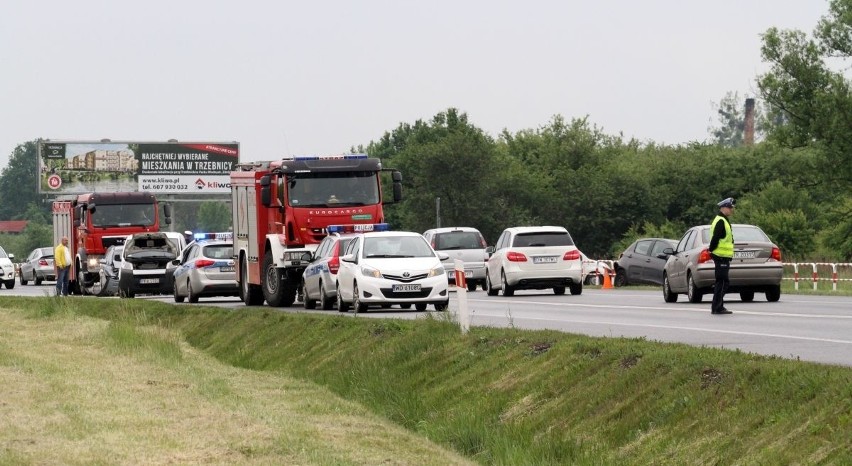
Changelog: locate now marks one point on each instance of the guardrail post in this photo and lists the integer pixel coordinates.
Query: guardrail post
(834, 277)
(815, 276)
(796, 276)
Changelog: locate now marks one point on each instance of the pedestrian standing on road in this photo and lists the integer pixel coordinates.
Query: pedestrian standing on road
(62, 263)
(722, 251)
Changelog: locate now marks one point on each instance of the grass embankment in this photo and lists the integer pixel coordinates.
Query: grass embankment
(498, 396)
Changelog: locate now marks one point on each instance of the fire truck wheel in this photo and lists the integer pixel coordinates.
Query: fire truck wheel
(276, 290)
(250, 294)
(308, 302)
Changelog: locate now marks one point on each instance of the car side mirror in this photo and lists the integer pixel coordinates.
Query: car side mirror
(443, 256)
(176, 262)
(489, 250)
(666, 252)
(307, 257)
(348, 258)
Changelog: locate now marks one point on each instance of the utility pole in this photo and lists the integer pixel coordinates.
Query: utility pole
(438, 211)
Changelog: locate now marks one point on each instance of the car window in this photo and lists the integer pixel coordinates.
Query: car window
(458, 240)
(344, 243)
(540, 239)
(643, 247)
(502, 241)
(658, 247)
(681, 246)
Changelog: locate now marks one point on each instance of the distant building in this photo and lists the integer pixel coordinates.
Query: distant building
(14, 227)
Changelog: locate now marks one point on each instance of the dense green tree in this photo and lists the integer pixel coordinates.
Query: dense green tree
(19, 182)
(214, 216)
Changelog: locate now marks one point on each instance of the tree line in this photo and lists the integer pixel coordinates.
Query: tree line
(606, 190)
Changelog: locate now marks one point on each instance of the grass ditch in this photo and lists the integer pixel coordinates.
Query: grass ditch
(509, 396)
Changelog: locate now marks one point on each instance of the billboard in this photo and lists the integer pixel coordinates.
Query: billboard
(75, 167)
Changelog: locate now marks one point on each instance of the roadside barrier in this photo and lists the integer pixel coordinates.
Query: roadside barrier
(815, 270)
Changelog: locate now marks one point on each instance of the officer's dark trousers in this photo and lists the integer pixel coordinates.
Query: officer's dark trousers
(723, 265)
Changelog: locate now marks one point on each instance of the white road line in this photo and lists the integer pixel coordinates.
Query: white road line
(664, 308)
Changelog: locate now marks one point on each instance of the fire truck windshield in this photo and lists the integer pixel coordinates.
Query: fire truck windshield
(332, 189)
(107, 215)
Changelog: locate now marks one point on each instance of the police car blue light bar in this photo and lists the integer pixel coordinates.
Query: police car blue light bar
(223, 235)
(358, 228)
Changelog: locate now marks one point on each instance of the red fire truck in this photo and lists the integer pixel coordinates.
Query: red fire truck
(93, 222)
(282, 208)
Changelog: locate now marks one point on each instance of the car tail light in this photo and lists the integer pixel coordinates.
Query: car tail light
(704, 256)
(513, 256)
(334, 261)
(482, 242)
(571, 255)
(201, 263)
(776, 254)
(42, 262)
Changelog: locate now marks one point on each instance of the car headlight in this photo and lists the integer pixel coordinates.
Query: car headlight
(368, 271)
(93, 262)
(439, 270)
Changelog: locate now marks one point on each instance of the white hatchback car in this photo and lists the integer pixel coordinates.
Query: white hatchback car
(534, 258)
(391, 267)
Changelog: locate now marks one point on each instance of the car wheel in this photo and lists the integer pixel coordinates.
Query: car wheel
(405, 306)
(190, 296)
(126, 293)
(692, 291)
(325, 301)
(620, 277)
(488, 288)
(22, 279)
(341, 304)
(508, 290)
(37, 280)
(178, 297)
(471, 286)
(668, 296)
(10, 283)
(559, 290)
(576, 288)
(442, 307)
(774, 294)
(420, 306)
(746, 296)
(306, 301)
(357, 305)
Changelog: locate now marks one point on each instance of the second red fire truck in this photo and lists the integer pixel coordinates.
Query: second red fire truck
(281, 210)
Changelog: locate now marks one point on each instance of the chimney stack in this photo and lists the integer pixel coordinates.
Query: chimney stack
(748, 130)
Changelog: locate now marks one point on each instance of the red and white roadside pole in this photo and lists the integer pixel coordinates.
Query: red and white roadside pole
(461, 296)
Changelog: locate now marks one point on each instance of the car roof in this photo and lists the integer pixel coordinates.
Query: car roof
(371, 234)
(451, 229)
(541, 229)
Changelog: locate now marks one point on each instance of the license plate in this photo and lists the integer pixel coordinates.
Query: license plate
(745, 254)
(452, 274)
(148, 281)
(406, 288)
(544, 260)
(226, 269)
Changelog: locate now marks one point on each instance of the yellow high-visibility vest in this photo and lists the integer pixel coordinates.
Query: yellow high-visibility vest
(725, 248)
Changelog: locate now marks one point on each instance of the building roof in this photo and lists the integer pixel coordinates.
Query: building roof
(13, 226)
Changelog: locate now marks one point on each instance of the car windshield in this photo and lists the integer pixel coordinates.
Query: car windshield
(541, 239)
(123, 215)
(458, 240)
(396, 246)
(3, 254)
(46, 252)
(332, 189)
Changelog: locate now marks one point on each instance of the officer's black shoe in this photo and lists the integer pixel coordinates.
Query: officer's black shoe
(721, 311)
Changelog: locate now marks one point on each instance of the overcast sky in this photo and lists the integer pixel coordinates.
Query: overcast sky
(303, 77)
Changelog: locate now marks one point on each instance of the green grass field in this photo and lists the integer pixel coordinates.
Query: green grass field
(493, 396)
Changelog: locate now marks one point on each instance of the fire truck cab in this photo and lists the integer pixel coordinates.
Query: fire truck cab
(93, 222)
(282, 210)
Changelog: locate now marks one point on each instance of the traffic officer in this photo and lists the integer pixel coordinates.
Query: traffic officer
(722, 251)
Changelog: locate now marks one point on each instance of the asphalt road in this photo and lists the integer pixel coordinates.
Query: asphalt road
(810, 328)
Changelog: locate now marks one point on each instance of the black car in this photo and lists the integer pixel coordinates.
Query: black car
(643, 262)
(145, 258)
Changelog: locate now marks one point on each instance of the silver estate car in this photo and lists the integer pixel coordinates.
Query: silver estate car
(465, 244)
(319, 281)
(756, 266)
(205, 268)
